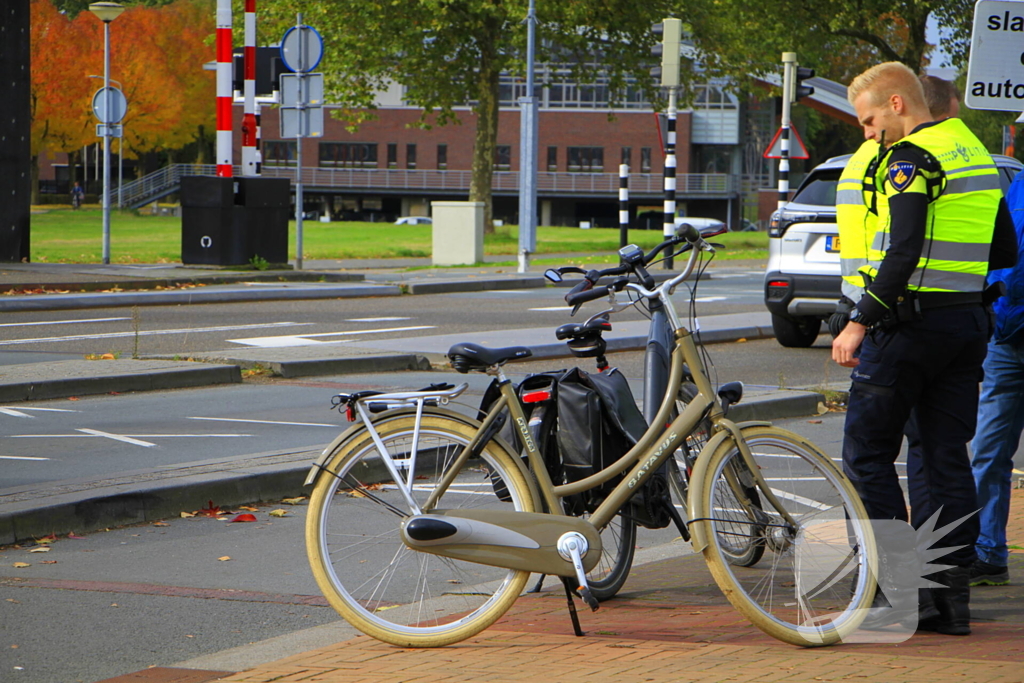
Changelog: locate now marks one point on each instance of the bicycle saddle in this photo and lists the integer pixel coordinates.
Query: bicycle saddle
(580, 330)
(467, 356)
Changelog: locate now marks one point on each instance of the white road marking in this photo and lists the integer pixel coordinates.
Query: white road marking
(14, 413)
(264, 422)
(801, 500)
(117, 437)
(19, 457)
(134, 436)
(63, 322)
(308, 339)
(148, 333)
(709, 299)
(376, 320)
(514, 291)
(551, 308)
(18, 413)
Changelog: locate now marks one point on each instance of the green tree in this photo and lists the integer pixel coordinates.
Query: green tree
(450, 53)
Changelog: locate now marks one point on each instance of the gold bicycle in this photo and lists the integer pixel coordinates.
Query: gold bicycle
(424, 525)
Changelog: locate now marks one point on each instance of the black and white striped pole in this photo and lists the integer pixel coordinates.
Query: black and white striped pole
(671, 38)
(788, 69)
(623, 204)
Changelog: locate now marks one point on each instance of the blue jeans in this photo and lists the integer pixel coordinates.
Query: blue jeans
(1000, 422)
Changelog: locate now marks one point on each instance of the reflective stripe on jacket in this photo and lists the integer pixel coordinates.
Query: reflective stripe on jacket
(964, 195)
(855, 217)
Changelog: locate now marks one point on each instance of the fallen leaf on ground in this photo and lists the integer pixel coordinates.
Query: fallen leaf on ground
(160, 524)
(814, 422)
(21, 565)
(248, 508)
(107, 356)
(72, 398)
(186, 515)
(40, 549)
(741, 340)
(278, 513)
(210, 510)
(47, 539)
(244, 518)
(225, 558)
(293, 501)
(48, 562)
(17, 602)
(76, 537)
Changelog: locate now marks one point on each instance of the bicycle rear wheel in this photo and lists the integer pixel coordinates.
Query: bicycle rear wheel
(377, 583)
(744, 550)
(818, 585)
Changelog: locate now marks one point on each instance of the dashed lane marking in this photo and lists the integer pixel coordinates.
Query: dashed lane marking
(310, 340)
(117, 437)
(265, 422)
(389, 319)
(64, 322)
(551, 308)
(148, 333)
(19, 457)
(18, 413)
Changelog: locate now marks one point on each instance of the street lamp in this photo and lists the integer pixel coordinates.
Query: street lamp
(106, 12)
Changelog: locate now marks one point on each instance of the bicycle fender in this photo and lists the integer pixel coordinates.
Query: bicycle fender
(356, 429)
(698, 537)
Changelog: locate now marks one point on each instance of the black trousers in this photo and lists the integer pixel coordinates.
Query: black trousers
(931, 367)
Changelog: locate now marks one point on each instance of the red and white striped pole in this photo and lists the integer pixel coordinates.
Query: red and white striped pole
(249, 125)
(224, 94)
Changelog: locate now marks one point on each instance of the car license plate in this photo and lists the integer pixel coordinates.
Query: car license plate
(832, 243)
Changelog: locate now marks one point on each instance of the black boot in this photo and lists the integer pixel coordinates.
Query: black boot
(952, 602)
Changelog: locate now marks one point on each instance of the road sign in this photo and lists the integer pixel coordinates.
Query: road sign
(796, 146)
(118, 105)
(302, 48)
(313, 84)
(995, 74)
(312, 119)
(115, 131)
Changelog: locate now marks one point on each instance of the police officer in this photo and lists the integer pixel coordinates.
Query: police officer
(917, 338)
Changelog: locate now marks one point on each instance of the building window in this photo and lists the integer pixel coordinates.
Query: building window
(645, 159)
(410, 156)
(552, 159)
(442, 157)
(392, 155)
(502, 157)
(585, 159)
(279, 153)
(627, 157)
(348, 154)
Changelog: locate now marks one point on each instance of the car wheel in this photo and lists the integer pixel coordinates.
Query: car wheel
(799, 332)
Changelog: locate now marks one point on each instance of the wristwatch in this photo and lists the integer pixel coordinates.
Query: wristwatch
(857, 316)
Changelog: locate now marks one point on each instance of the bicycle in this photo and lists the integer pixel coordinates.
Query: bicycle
(410, 542)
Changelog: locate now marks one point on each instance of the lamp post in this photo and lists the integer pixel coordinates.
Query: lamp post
(106, 12)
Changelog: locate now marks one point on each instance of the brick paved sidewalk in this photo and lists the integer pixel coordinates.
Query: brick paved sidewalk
(671, 623)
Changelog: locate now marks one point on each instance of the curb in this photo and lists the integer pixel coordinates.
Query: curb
(343, 366)
(56, 302)
(236, 482)
(194, 375)
(447, 286)
(157, 283)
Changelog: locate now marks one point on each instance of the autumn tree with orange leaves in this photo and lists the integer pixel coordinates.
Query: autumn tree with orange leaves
(157, 57)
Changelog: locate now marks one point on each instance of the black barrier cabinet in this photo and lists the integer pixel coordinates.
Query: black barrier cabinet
(230, 221)
(264, 205)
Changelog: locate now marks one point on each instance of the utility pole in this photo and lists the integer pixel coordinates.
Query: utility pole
(528, 153)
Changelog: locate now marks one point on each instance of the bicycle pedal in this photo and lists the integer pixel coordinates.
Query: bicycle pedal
(588, 598)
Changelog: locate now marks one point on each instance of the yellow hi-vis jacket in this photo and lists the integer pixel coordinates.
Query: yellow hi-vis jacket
(964, 195)
(856, 217)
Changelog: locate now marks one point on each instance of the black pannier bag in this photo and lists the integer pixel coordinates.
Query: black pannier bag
(598, 422)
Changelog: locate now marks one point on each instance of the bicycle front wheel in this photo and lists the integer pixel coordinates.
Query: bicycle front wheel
(818, 584)
(377, 583)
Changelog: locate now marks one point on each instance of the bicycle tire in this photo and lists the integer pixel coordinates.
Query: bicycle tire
(412, 599)
(745, 554)
(818, 586)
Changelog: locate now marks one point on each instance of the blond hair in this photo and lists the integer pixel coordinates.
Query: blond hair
(938, 93)
(885, 80)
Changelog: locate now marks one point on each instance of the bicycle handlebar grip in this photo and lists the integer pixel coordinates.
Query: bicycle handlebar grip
(688, 233)
(576, 298)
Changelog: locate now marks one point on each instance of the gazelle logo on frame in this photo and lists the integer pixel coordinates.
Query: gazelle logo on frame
(905, 559)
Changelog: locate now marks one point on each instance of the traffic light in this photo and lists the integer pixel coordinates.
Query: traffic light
(671, 31)
(801, 91)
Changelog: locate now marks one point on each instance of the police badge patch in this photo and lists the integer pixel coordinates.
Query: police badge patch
(900, 174)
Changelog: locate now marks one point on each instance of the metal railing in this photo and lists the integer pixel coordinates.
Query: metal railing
(161, 183)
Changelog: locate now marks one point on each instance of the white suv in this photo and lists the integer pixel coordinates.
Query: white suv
(802, 282)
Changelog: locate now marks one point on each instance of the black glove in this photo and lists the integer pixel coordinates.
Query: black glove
(837, 321)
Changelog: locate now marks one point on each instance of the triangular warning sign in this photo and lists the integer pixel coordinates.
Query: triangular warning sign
(796, 146)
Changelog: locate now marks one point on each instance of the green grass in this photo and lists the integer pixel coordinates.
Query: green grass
(65, 236)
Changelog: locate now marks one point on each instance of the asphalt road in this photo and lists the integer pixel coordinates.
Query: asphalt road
(185, 329)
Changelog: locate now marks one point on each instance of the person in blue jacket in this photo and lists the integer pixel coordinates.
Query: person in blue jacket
(1000, 411)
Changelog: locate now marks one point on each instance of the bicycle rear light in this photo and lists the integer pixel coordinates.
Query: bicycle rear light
(536, 396)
